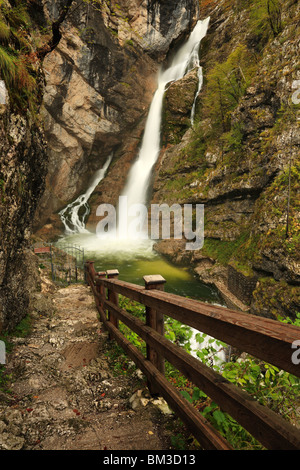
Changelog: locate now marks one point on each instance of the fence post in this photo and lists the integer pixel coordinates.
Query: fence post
(100, 289)
(112, 296)
(86, 267)
(90, 271)
(155, 320)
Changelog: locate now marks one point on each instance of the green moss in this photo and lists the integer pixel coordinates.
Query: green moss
(17, 16)
(194, 152)
(17, 61)
(4, 30)
(223, 250)
(276, 299)
(23, 329)
(226, 84)
(286, 115)
(239, 252)
(276, 201)
(233, 140)
(8, 66)
(125, 84)
(265, 20)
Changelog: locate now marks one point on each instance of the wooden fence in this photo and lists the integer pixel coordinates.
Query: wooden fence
(266, 339)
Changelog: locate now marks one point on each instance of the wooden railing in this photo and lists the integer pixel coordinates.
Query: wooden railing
(266, 339)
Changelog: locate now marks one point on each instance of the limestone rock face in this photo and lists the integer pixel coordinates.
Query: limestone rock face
(152, 24)
(178, 103)
(243, 165)
(99, 84)
(23, 167)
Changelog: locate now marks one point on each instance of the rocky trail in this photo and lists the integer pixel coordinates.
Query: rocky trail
(64, 394)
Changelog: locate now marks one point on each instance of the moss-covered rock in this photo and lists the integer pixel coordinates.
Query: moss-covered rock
(178, 102)
(275, 299)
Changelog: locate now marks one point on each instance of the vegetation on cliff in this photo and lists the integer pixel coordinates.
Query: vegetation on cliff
(241, 157)
(18, 62)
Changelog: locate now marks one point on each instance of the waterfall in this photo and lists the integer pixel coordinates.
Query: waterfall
(74, 215)
(185, 59)
(200, 83)
(128, 253)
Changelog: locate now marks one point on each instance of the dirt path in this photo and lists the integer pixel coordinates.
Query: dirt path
(64, 394)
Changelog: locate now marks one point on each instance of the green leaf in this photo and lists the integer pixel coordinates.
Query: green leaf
(199, 338)
(197, 394)
(219, 417)
(171, 335)
(186, 395)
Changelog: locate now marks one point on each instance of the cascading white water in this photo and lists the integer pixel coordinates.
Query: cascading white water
(73, 216)
(200, 83)
(185, 59)
(136, 188)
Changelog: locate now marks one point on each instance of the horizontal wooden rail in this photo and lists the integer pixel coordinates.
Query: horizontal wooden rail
(200, 427)
(263, 338)
(257, 419)
(267, 427)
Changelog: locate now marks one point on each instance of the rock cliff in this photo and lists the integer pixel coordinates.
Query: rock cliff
(241, 158)
(76, 80)
(99, 83)
(23, 161)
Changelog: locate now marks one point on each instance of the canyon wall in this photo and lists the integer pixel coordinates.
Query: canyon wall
(100, 80)
(61, 119)
(64, 112)
(241, 157)
(23, 163)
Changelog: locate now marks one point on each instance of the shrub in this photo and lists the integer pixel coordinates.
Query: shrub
(226, 84)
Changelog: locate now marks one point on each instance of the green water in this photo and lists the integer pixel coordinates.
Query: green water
(137, 259)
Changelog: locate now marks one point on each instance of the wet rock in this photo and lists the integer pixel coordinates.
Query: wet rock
(141, 398)
(178, 102)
